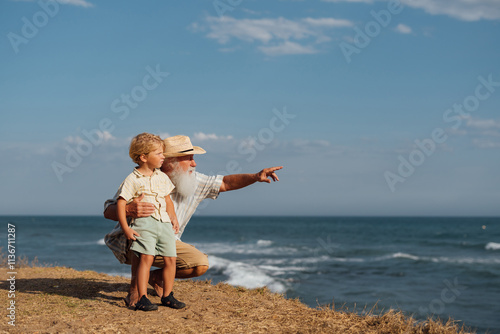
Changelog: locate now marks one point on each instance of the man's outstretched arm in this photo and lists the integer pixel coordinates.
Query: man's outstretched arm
(135, 209)
(238, 181)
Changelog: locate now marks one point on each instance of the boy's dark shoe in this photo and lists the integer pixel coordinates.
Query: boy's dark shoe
(145, 305)
(170, 301)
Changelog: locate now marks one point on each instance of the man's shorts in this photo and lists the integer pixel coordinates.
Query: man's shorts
(156, 238)
(187, 257)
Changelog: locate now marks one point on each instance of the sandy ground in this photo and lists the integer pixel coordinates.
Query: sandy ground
(63, 300)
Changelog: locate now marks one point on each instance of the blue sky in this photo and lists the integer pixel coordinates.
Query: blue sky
(372, 107)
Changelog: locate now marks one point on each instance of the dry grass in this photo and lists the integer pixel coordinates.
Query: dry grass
(22, 261)
(63, 300)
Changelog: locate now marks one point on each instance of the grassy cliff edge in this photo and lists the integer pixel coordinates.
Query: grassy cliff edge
(64, 300)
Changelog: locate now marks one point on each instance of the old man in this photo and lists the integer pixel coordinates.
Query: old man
(191, 188)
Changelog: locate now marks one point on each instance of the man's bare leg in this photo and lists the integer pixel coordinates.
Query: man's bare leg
(191, 272)
(133, 292)
(156, 280)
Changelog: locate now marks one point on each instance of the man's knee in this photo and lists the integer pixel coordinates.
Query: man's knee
(199, 270)
(189, 257)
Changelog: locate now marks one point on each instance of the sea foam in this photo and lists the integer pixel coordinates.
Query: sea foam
(246, 275)
(264, 243)
(261, 247)
(406, 256)
(492, 246)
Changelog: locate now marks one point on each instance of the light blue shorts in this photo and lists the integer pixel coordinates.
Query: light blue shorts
(156, 238)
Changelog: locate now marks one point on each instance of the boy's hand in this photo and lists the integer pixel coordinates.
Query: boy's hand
(130, 234)
(175, 226)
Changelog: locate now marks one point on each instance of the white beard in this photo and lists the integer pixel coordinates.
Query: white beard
(185, 182)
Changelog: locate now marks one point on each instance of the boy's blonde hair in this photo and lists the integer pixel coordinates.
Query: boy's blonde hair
(144, 143)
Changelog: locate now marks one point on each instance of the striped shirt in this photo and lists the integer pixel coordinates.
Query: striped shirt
(208, 187)
(154, 188)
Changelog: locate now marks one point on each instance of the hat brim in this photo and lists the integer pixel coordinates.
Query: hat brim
(195, 150)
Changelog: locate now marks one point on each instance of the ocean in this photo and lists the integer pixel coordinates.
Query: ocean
(441, 267)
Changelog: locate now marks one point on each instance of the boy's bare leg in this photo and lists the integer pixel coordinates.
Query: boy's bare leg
(183, 250)
(168, 275)
(133, 294)
(143, 274)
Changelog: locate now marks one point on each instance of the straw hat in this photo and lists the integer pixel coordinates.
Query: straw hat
(178, 146)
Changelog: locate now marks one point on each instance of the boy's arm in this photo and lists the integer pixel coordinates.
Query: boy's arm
(122, 218)
(171, 213)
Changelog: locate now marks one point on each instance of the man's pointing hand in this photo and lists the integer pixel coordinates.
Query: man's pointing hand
(263, 175)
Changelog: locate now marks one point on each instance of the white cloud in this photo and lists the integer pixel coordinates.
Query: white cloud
(485, 132)
(80, 3)
(365, 1)
(276, 36)
(102, 137)
(263, 30)
(327, 22)
(491, 133)
(107, 136)
(486, 143)
(319, 146)
(483, 123)
(403, 29)
(287, 48)
(251, 12)
(200, 136)
(483, 127)
(239, 148)
(164, 135)
(466, 10)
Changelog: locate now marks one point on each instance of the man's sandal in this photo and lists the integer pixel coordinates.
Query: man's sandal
(170, 301)
(145, 305)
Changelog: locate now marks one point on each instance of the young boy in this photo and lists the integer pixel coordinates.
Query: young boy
(153, 235)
